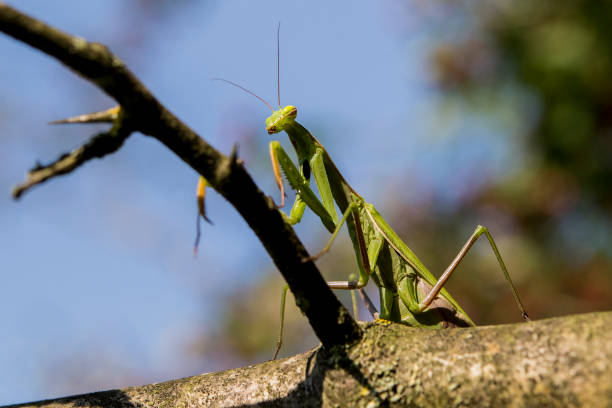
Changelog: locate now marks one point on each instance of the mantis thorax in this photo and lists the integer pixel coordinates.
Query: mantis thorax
(281, 119)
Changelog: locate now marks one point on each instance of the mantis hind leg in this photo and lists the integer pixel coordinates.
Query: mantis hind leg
(480, 230)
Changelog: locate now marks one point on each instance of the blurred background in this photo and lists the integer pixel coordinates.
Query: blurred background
(444, 115)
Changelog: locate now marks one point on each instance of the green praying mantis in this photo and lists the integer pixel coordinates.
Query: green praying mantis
(409, 292)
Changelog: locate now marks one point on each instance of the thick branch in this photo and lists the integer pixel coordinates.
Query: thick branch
(557, 362)
(95, 62)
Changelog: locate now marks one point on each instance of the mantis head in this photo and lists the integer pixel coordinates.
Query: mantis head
(281, 119)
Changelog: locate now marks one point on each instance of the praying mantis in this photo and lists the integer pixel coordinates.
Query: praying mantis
(409, 293)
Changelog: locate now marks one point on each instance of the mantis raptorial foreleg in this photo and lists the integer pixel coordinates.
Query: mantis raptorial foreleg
(299, 182)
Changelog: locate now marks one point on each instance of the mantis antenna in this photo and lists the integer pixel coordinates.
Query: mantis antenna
(278, 63)
(202, 182)
(245, 90)
(277, 76)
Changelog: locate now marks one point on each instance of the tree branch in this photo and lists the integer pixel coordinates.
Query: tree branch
(557, 362)
(142, 112)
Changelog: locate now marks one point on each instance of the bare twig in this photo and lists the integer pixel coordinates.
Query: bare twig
(105, 116)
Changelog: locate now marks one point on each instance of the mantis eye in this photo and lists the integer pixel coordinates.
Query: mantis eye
(271, 130)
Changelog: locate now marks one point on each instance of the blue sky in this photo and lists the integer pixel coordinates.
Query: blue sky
(102, 257)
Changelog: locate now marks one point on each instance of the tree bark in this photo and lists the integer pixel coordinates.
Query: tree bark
(559, 362)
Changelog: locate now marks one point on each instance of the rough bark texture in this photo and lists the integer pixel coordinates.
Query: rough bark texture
(560, 362)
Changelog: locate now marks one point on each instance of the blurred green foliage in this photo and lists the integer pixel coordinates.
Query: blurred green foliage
(562, 53)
